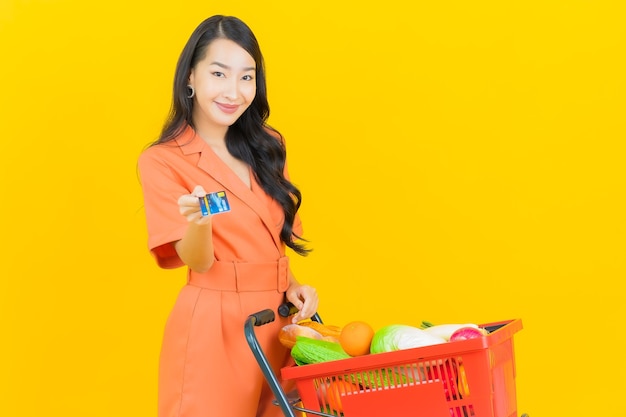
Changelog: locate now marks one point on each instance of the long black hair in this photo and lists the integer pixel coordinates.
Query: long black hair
(249, 138)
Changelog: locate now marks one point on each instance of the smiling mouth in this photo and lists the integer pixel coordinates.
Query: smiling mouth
(227, 108)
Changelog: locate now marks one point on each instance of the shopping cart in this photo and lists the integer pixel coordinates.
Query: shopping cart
(469, 378)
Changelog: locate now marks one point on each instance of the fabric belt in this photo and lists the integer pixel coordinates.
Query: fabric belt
(244, 276)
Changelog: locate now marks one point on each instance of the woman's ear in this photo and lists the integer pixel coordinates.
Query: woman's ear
(190, 78)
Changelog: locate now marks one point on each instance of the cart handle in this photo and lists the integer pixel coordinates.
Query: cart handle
(288, 309)
(259, 319)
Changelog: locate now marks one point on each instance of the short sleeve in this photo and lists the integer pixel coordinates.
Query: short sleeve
(161, 191)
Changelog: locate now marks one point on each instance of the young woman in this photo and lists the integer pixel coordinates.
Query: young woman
(217, 140)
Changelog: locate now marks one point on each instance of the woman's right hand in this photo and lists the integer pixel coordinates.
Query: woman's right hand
(189, 206)
(195, 249)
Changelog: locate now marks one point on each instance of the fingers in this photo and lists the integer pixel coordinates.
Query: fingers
(198, 191)
(189, 205)
(305, 298)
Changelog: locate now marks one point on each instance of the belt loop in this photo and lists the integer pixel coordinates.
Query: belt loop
(237, 274)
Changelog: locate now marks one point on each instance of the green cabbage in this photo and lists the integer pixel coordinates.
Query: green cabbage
(399, 336)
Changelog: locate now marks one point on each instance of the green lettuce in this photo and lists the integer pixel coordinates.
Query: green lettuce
(399, 336)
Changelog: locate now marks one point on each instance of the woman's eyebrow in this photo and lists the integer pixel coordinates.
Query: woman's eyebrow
(219, 64)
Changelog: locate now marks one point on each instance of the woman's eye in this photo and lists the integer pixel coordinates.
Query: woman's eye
(218, 74)
(247, 77)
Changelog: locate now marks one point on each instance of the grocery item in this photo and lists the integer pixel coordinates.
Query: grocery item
(307, 351)
(398, 337)
(356, 338)
(290, 332)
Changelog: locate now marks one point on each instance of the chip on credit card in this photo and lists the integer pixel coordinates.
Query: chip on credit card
(214, 203)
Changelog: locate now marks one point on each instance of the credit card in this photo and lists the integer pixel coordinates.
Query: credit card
(214, 203)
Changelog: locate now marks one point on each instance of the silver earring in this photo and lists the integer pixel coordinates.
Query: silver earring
(192, 91)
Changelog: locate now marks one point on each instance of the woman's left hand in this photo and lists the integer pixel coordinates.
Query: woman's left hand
(304, 297)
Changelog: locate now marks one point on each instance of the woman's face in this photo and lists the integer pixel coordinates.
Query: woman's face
(225, 86)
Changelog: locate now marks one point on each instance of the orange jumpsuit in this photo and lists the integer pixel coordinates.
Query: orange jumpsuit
(206, 367)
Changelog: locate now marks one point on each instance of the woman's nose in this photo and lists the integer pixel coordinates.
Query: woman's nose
(231, 89)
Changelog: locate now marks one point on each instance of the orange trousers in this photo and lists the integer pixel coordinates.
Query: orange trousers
(206, 366)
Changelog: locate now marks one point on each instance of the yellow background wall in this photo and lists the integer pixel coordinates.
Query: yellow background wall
(460, 161)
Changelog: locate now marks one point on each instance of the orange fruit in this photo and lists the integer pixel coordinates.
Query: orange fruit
(337, 389)
(356, 338)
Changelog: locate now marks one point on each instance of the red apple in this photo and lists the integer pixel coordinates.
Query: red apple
(465, 333)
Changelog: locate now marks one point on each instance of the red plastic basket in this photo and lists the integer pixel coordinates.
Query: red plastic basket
(469, 378)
